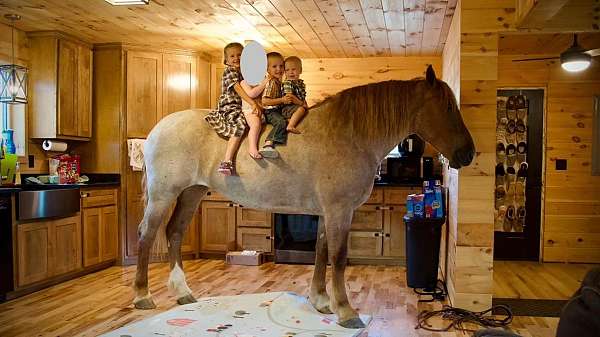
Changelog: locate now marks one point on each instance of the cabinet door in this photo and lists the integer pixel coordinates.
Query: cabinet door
(84, 92)
(190, 237)
(216, 74)
(248, 217)
(67, 88)
(33, 242)
(179, 83)
(92, 225)
(144, 92)
(67, 245)
(109, 233)
(134, 210)
(254, 239)
(368, 217)
(394, 240)
(397, 196)
(218, 225)
(364, 244)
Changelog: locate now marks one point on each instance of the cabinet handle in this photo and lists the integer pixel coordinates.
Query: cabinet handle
(387, 235)
(377, 208)
(579, 240)
(85, 195)
(375, 234)
(391, 208)
(550, 241)
(208, 193)
(230, 205)
(238, 205)
(382, 208)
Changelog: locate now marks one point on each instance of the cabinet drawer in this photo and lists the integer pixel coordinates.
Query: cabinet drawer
(367, 217)
(376, 197)
(365, 244)
(212, 195)
(248, 217)
(397, 196)
(254, 239)
(96, 198)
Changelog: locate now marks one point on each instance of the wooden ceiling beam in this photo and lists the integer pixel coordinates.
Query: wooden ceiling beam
(558, 16)
(534, 13)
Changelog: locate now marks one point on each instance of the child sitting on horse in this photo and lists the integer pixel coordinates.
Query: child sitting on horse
(294, 87)
(272, 100)
(228, 119)
(253, 117)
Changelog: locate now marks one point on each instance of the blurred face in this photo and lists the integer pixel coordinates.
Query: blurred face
(275, 67)
(234, 55)
(292, 70)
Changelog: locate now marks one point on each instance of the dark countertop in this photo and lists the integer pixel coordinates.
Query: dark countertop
(96, 180)
(398, 184)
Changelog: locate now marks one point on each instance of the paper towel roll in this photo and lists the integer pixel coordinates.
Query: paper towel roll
(51, 145)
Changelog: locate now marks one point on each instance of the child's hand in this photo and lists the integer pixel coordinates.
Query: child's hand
(296, 100)
(287, 99)
(257, 109)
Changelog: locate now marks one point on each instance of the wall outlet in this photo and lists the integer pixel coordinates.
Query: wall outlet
(561, 164)
(31, 161)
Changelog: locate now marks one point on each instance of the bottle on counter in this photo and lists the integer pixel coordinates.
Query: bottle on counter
(17, 174)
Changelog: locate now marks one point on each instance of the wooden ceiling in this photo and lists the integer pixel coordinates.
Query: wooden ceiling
(307, 28)
(558, 15)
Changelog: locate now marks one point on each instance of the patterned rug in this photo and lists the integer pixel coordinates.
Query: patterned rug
(275, 314)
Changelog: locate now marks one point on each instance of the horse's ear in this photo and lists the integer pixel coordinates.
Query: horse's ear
(430, 75)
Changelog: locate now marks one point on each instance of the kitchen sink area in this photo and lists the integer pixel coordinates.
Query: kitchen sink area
(40, 201)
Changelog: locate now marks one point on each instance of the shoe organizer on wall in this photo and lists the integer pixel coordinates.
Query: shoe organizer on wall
(511, 163)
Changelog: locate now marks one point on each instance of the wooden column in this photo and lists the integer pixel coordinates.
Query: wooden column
(470, 240)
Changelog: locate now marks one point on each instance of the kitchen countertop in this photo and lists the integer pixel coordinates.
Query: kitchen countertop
(96, 180)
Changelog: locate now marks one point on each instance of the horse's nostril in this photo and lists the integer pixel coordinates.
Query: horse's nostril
(470, 156)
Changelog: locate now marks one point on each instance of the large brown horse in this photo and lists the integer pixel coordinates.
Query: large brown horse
(327, 171)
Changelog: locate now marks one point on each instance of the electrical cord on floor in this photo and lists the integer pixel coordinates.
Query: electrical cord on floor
(459, 316)
(437, 293)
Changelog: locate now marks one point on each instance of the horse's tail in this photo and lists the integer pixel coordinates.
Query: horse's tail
(160, 245)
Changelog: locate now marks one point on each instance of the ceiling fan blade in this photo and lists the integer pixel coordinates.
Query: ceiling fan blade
(537, 59)
(593, 52)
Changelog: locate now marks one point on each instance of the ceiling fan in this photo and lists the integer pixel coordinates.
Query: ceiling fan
(574, 59)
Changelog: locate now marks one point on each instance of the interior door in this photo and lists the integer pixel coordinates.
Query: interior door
(516, 243)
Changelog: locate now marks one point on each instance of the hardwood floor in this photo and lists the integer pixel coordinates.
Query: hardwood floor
(533, 280)
(100, 302)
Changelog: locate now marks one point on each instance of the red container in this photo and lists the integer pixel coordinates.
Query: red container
(68, 169)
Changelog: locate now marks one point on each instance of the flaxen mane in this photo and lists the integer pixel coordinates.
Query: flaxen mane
(378, 109)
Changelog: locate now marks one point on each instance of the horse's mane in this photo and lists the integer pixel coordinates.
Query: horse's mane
(377, 109)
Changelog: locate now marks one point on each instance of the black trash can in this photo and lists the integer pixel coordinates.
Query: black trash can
(423, 251)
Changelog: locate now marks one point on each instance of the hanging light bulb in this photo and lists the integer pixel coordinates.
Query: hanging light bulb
(13, 77)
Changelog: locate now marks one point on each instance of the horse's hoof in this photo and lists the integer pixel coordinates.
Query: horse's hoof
(353, 323)
(187, 299)
(145, 304)
(321, 303)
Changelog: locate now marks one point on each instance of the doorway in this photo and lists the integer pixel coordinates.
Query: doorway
(519, 168)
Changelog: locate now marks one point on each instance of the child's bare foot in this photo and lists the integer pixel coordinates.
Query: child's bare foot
(255, 154)
(293, 130)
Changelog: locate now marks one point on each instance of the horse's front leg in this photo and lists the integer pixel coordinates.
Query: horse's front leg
(187, 204)
(318, 293)
(337, 226)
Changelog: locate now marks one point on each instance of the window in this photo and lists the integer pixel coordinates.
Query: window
(17, 122)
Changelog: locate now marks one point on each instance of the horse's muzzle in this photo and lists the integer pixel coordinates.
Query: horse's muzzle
(462, 157)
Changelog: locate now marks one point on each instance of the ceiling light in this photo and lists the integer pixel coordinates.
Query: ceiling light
(574, 59)
(13, 77)
(128, 2)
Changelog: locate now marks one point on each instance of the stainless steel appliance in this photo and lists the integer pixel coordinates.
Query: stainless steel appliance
(404, 169)
(6, 246)
(295, 238)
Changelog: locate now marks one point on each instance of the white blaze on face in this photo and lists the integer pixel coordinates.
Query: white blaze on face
(177, 282)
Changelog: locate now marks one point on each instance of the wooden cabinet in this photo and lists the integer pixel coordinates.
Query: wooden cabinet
(60, 83)
(144, 92)
(179, 83)
(218, 225)
(377, 229)
(225, 223)
(48, 248)
(100, 225)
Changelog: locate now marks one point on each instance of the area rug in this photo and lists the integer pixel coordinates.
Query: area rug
(275, 314)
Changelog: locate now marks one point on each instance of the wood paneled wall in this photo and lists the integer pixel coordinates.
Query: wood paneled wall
(19, 124)
(470, 242)
(571, 221)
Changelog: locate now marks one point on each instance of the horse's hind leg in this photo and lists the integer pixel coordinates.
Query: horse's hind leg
(337, 226)
(154, 214)
(318, 294)
(187, 204)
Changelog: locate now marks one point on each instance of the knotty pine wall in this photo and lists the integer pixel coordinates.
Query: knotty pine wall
(571, 221)
(22, 58)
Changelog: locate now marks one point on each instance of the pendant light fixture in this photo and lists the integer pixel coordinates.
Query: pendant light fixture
(13, 77)
(127, 2)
